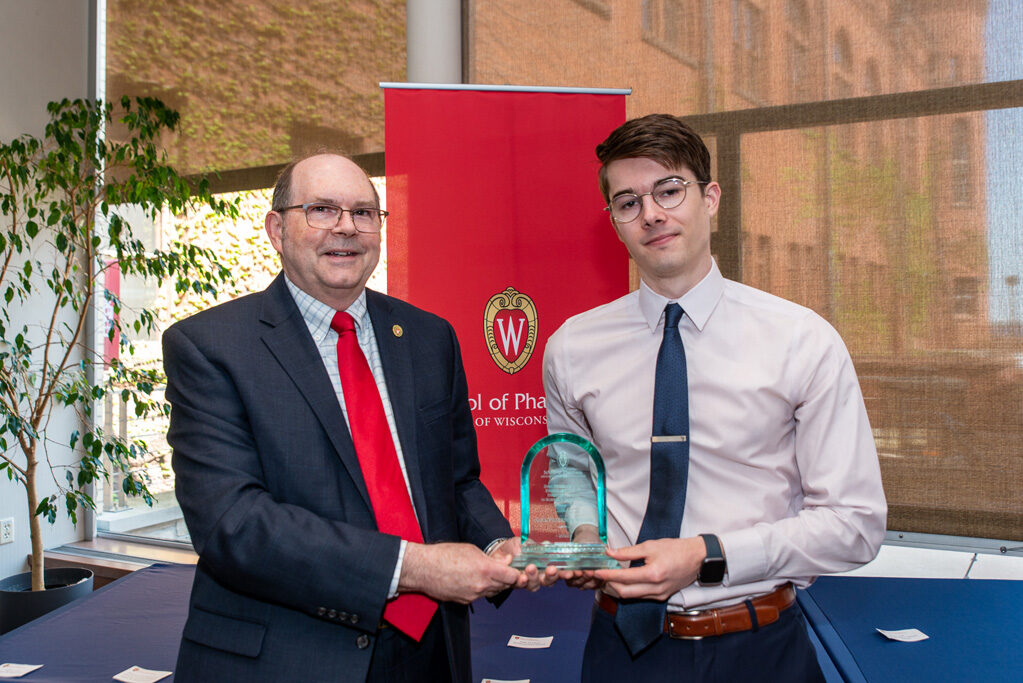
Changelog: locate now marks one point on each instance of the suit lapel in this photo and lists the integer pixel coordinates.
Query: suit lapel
(288, 339)
(392, 337)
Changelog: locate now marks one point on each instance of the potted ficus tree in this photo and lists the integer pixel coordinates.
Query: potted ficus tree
(62, 227)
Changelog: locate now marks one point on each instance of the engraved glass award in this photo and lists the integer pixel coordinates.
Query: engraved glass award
(572, 493)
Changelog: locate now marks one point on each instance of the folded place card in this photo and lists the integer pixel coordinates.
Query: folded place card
(9, 670)
(137, 674)
(906, 635)
(530, 643)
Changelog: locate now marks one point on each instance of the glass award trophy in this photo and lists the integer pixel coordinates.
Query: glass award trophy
(569, 476)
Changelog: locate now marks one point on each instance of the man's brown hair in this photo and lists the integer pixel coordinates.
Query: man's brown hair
(666, 139)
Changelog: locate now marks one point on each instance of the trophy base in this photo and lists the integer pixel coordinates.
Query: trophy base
(565, 556)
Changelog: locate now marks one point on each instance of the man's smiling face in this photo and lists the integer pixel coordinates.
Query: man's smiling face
(671, 247)
(330, 265)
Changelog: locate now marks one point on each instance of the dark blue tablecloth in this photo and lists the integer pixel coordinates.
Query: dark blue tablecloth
(557, 611)
(136, 620)
(975, 628)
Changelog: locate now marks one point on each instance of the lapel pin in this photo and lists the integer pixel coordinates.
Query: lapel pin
(397, 330)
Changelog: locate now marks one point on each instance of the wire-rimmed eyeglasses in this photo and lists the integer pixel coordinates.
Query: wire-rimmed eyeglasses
(327, 216)
(668, 193)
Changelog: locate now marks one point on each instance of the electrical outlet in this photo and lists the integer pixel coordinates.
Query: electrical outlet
(7, 530)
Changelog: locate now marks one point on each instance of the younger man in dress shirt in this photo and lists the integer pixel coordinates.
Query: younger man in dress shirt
(770, 476)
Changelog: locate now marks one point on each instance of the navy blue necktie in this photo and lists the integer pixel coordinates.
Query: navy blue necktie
(641, 621)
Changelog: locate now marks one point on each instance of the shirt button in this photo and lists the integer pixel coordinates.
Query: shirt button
(332, 614)
(343, 616)
(321, 611)
(362, 641)
(354, 619)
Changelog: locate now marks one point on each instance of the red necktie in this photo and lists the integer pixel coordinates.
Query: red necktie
(374, 446)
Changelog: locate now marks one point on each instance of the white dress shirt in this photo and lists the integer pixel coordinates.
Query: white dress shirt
(782, 463)
(318, 316)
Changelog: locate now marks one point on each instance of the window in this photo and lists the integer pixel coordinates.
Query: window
(909, 163)
(795, 282)
(840, 280)
(852, 284)
(254, 263)
(601, 8)
(797, 55)
(965, 293)
(872, 79)
(841, 56)
(842, 75)
(945, 69)
(675, 26)
(878, 288)
(747, 50)
(765, 281)
(962, 173)
(809, 266)
(240, 115)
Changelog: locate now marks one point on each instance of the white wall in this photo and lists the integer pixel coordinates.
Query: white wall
(44, 56)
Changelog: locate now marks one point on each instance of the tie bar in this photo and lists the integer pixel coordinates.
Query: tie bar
(668, 439)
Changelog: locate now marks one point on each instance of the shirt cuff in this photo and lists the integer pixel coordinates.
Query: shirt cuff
(747, 559)
(580, 513)
(393, 591)
(493, 544)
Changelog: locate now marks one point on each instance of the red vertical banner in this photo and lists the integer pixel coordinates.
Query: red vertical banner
(497, 225)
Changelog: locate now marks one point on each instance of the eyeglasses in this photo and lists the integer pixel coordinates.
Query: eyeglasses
(668, 193)
(327, 216)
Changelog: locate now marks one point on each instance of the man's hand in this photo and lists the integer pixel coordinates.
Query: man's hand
(671, 564)
(582, 578)
(531, 577)
(455, 572)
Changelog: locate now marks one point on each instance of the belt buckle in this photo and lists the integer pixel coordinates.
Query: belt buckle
(680, 636)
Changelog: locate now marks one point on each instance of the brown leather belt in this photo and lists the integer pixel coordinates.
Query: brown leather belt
(716, 622)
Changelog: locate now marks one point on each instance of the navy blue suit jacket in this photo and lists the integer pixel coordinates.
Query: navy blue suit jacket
(293, 575)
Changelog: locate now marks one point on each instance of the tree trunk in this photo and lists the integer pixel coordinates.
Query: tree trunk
(35, 529)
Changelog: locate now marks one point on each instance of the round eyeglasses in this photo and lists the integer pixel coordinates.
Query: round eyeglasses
(328, 216)
(668, 193)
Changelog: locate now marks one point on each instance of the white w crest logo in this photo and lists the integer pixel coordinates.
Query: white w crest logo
(510, 327)
(511, 336)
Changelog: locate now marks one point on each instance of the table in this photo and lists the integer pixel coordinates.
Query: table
(136, 620)
(557, 611)
(974, 628)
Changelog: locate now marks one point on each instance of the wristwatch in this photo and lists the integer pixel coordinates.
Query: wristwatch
(712, 572)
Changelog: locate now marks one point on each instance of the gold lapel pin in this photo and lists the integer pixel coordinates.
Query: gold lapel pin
(397, 330)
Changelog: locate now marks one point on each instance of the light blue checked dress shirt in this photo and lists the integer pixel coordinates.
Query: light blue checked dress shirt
(317, 316)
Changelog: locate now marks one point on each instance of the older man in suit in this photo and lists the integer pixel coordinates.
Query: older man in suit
(326, 464)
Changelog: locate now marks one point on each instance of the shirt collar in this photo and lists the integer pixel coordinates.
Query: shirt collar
(318, 315)
(698, 303)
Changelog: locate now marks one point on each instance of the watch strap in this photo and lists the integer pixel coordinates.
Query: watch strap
(713, 547)
(712, 571)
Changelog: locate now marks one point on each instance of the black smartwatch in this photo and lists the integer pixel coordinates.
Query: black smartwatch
(712, 572)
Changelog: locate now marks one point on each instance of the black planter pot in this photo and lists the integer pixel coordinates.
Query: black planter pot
(19, 604)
